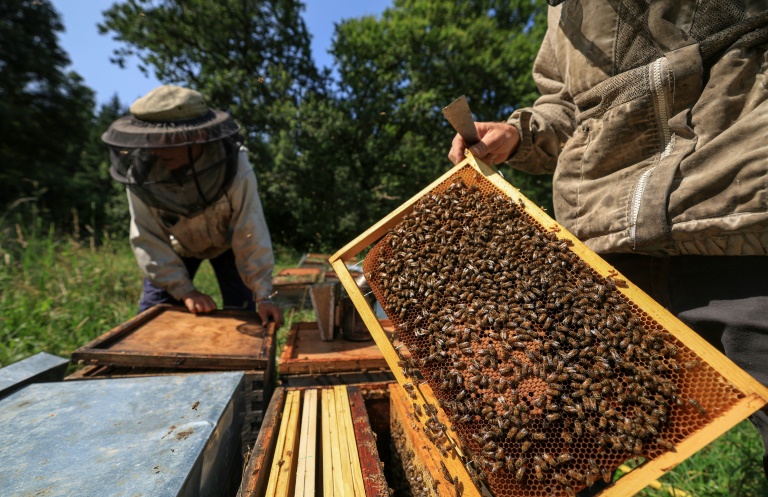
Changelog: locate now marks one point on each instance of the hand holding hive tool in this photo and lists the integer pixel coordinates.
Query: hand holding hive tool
(492, 143)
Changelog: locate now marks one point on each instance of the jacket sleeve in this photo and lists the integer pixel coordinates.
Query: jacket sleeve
(545, 127)
(251, 242)
(154, 254)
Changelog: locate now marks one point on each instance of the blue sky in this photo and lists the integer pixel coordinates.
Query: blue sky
(90, 52)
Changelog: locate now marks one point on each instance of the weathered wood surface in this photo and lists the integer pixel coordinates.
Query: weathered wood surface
(307, 461)
(370, 462)
(306, 353)
(256, 474)
(282, 469)
(288, 451)
(168, 336)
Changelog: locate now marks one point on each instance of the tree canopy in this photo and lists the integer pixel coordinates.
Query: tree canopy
(335, 149)
(45, 112)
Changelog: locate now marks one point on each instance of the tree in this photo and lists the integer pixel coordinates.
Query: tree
(103, 200)
(45, 112)
(333, 157)
(382, 136)
(250, 57)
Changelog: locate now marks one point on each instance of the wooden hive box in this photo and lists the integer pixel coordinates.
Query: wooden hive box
(315, 441)
(168, 340)
(308, 360)
(547, 367)
(292, 285)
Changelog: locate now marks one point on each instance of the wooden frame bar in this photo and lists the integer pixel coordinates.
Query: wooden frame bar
(287, 459)
(754, 395)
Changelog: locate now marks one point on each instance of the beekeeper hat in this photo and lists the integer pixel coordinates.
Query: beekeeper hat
(169, 116)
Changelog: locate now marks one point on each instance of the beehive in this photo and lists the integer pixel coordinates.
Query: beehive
(168, 340)
(549, 368)
(307, 360)
(315, 441)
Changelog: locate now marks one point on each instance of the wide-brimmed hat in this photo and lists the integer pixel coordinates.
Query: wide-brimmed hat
(169, 116)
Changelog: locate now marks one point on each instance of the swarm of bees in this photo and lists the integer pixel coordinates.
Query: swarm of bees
(549, 375)
(417, 485)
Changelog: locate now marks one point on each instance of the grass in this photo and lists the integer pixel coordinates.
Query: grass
(58, 293)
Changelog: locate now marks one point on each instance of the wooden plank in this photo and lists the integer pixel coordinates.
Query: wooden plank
(301, 463)
(305, 471)
(167, 336)
(312, 446)
(277, 461)
(287, 464)
(370, 464)
(255, 477)
(306, 352)
(327, 440)
(342, 468)
(345, 420)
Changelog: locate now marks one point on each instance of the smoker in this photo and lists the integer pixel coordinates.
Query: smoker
(337, 315)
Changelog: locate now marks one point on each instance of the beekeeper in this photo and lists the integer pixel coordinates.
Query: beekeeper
(192, 196)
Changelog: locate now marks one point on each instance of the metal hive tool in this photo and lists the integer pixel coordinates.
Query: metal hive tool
(535, 368)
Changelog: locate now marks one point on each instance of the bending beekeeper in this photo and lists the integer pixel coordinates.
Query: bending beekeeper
(192, 196)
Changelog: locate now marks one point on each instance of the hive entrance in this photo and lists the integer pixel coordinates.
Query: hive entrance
(550, 375)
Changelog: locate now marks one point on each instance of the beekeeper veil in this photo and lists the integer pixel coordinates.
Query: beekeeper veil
(173, 151)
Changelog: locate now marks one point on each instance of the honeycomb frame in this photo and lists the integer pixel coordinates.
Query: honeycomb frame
(748, 394)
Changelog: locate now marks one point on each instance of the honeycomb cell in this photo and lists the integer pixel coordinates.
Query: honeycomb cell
(548, 373)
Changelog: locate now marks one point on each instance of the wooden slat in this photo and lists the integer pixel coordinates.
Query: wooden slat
(327, 441)
(341, 446)
(287, 465)
(311, 484)
(345, 420)
(301, 463)
(370, 463)
(285, 437)
(305, 470)
(255, 477)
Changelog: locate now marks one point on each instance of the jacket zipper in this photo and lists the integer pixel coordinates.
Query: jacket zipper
(657, 90)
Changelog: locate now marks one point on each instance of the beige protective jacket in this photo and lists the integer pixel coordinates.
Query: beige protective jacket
(653, 117)
(236, 221)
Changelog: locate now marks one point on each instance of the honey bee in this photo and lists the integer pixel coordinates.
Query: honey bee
(520, 473)
(567, 437)
(697, 406)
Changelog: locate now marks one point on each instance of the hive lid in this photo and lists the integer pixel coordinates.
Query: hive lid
(37, 368)
(168, 336)
(664, 369)
(141, 436)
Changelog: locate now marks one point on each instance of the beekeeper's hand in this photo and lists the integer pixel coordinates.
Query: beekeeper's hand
(497, 142)
(269, 311)
(198, 302)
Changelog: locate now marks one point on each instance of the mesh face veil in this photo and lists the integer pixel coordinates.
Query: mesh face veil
(185, 190)
(180, 157)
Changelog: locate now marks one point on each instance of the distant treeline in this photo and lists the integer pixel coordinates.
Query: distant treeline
(333, 151)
